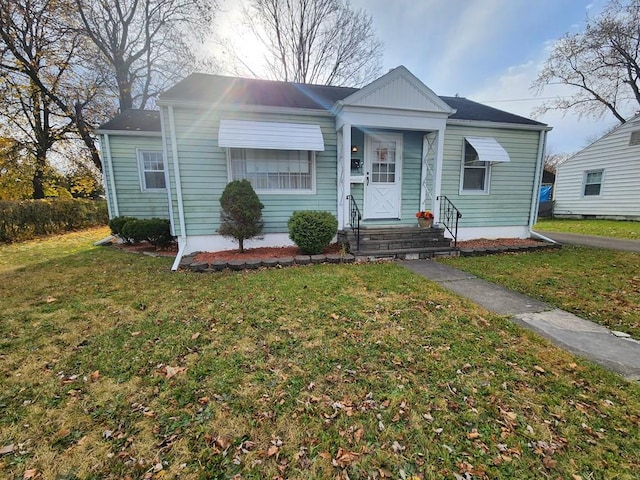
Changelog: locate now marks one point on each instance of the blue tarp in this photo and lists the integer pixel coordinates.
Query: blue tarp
(545, 193)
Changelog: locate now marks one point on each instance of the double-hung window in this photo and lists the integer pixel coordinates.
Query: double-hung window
(592, 182)
(274, 171)
(152, 175)
(475, 173)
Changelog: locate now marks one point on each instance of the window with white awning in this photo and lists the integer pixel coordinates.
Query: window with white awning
(270, 135)
(275, 157)
(488, 149)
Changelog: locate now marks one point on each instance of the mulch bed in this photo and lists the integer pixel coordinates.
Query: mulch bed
(259, 253)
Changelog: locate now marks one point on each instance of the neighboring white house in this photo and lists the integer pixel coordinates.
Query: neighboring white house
(602, 180)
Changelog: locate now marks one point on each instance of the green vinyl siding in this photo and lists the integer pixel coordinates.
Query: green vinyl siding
(132, 201)
(511, 184)
(203, 170)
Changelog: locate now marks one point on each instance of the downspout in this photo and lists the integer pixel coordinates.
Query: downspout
(167, 176)
(107, 146)
(533, 211)
(176, 166)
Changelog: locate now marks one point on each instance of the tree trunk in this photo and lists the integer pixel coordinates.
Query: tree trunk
(85, 132)
(38, 176)
(241, 244)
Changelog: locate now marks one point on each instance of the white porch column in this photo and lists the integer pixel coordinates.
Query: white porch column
(437, 174)
(344, 174)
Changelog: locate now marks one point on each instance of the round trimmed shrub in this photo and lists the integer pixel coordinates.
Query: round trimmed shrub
(312, 230)
(116, 224)
(154, 230)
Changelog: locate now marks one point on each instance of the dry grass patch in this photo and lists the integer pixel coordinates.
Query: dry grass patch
(326, 371)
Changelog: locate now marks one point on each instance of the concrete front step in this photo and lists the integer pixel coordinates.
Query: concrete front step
(406, 253)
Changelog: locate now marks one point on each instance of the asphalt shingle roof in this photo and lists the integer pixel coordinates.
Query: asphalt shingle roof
(218, 89)
(134, 121)
(199, 87)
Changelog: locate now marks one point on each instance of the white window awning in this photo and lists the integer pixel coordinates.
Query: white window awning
(488, 149)
(270, 135)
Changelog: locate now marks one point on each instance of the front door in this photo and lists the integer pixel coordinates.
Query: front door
(383, 174)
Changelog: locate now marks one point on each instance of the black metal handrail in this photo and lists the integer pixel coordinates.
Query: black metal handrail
(355, 217)
(449, 216)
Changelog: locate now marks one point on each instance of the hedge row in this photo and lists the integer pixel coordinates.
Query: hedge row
(26, 219)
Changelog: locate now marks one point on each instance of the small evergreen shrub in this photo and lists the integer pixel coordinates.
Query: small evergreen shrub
(311, 230)
(116, 224)
(153, 230)
(240, 212)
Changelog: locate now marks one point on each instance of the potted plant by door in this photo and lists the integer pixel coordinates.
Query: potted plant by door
(425, 218)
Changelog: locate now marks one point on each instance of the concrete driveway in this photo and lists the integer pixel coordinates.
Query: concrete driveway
(592, 241)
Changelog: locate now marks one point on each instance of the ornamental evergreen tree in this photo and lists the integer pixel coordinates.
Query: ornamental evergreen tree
(241, 212)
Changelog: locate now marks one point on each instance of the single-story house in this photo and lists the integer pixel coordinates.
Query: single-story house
(603, 179)
(390, 148)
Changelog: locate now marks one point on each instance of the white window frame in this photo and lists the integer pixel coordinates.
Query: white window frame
(312, 170)
(141, 170)
(487, 178)
(584, 182)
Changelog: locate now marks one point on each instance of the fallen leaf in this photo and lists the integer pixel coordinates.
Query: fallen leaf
(173, 371)
(195, 336)
(357, 435)
(63, 432)
(473, 435)
(539, 369)
(335, 316)
(272, 450)
(49, 299)
(549, 462)
(135, 334)
(576, 477)
(95, 376)
(31, 473)
(7, 449)
(203, 400)
(345, 458)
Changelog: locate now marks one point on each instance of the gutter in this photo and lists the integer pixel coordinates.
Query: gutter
(176, 166)
(178, 259)
(107, 147)
(533, 211)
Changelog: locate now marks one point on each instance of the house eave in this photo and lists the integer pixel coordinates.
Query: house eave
(510, 126)
(244, 108)
(137, 133)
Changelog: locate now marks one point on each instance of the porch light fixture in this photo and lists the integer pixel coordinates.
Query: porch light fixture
(354, 149)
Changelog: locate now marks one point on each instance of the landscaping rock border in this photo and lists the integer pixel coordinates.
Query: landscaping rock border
(482, 251)
(188, 262)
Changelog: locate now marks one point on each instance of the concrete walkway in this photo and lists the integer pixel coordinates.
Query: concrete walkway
(582, 337)
(593, 241)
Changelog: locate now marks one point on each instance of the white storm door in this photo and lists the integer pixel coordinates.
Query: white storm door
(383, 174)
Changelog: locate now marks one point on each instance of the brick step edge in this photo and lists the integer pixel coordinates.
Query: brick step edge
(478, 252)
(188, 262)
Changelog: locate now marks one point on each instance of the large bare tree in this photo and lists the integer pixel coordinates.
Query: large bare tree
(145, 45)
(44, 94)
(601, 64)
(316, 41)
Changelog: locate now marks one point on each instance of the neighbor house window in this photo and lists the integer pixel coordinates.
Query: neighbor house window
(151, 170)
(475, 173)
(592, 182)
(274, 170)
(634, 139)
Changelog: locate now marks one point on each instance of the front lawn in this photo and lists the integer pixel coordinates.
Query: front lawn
(595, 284)
(114, 367)
(602, 228)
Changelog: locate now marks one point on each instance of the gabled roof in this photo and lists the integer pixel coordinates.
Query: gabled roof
(398, 89)
(469, 110)
(134, 121)
(205, 89)
(218, 89)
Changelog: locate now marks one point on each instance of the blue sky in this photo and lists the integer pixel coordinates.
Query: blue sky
(486, 50)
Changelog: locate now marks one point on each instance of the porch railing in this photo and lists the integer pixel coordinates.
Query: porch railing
(449, 216)
(354, 219)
